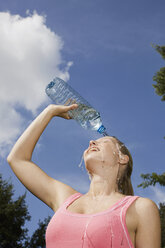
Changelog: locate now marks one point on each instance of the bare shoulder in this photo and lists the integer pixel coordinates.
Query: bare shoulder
(145, 205)
(148, 222)
(141, 210)
(146, 209)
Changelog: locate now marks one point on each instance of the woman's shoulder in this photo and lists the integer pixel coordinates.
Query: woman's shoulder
(145, 202)
(148, 221)
(145, 207)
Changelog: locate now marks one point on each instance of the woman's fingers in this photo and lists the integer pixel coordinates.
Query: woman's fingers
(63, 110)
(67, 102)
(70, 102)
(73, 106)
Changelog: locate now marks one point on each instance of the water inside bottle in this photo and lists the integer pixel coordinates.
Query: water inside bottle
(86, 116)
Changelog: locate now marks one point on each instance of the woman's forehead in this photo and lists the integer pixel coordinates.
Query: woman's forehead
(107, 138)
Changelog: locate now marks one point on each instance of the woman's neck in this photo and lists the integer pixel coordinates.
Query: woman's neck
(102, 187)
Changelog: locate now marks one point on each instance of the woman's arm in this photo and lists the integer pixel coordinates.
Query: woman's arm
(148, 231)
(47, 189)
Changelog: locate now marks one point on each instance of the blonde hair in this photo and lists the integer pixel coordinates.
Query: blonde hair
(124, 182)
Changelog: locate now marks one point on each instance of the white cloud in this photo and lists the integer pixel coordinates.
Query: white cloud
(10, 125)
(30, 56)
(159, 194)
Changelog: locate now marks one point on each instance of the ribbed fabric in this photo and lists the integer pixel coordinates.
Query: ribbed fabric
(105, 229)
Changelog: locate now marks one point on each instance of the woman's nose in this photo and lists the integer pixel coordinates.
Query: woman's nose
(92, 142)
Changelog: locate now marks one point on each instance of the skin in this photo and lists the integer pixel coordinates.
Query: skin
(103, 161)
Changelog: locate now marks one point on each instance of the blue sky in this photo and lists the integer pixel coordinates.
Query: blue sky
(103, 49)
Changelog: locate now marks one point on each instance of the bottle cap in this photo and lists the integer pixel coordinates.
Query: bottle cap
(101, 129)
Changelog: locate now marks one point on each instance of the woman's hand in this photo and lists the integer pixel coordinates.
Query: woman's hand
(62, 110)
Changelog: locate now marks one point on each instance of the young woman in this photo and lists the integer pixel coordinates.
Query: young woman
(108, 215)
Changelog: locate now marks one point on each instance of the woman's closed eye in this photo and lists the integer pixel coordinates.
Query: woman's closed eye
(104, 141)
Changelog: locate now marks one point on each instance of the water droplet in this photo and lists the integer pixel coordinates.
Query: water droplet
(81, 163)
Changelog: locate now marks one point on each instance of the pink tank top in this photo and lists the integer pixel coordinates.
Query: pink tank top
(105, 229)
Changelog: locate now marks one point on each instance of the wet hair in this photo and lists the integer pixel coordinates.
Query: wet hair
(124, 181)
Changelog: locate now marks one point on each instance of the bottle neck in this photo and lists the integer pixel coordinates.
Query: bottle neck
(102, 131)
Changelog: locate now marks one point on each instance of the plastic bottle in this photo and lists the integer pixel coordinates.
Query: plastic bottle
(62, 93)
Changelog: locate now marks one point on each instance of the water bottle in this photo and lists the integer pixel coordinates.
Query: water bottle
(62, 93)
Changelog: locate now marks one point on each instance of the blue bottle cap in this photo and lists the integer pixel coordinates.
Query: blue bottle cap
(50, 85)
(101, 129)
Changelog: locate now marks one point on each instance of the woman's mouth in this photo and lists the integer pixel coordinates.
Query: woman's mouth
(93, 148)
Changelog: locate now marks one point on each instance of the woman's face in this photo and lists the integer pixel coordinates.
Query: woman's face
(101, 152)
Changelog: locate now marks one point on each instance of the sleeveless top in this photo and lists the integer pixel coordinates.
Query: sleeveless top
(105, 229)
